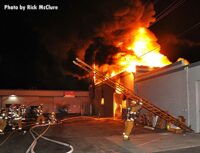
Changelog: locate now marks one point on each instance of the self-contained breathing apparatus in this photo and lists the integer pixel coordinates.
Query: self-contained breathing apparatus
(132, 112)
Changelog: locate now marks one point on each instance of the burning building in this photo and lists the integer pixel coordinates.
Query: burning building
(126, 78)
(109, 101)
(140, 55)
(120, 54)
(174, 88)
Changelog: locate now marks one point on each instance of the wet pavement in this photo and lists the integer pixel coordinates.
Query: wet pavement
(99, 135)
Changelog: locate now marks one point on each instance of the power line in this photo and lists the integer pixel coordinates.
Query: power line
(163, 11)
(197, 25)
(170, 8)
(189, 29)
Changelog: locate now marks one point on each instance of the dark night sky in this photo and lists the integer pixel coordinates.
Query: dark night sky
(37, 47)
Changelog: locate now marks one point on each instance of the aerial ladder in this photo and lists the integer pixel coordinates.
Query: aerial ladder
(130, 94)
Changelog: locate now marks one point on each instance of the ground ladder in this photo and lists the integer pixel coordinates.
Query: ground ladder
(130, 94)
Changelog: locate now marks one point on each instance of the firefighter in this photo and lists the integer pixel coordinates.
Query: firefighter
(52, 118)
(39, 114)
(15, 117)
(131, 115)
(3, 120)
(22, 110)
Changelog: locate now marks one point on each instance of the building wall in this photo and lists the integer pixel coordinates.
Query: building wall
(97, 101)
(194, 95)
(108, 105)
(103, 90)
(106, 92)
(73, 105)
(169, 92)
(33, 92)
(177, 92)
(51, 100)
(127, 80)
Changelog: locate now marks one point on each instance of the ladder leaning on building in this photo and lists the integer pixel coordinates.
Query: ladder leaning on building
(129, 93)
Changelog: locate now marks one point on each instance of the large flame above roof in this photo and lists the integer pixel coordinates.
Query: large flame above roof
(143, 49)
(139, 49)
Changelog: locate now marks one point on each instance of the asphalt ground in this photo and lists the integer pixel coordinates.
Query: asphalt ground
(98, 135)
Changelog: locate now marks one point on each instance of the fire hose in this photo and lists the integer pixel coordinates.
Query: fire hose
(32, 132)
(6, 139)
(33, 144)
(67, 119)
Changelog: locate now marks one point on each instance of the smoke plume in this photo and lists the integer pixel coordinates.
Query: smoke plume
(91, 29)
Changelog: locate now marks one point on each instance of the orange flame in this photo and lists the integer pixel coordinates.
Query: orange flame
(140, 48)
(115, 105)
(143, 50)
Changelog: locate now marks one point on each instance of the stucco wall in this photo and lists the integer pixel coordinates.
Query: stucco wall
(194, 95)
(169, 92)
(177, 92)
(55, 100)
(108, 105)
(107, 93)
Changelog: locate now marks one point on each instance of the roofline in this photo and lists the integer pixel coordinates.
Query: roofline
(174, 67)
(42, 93)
